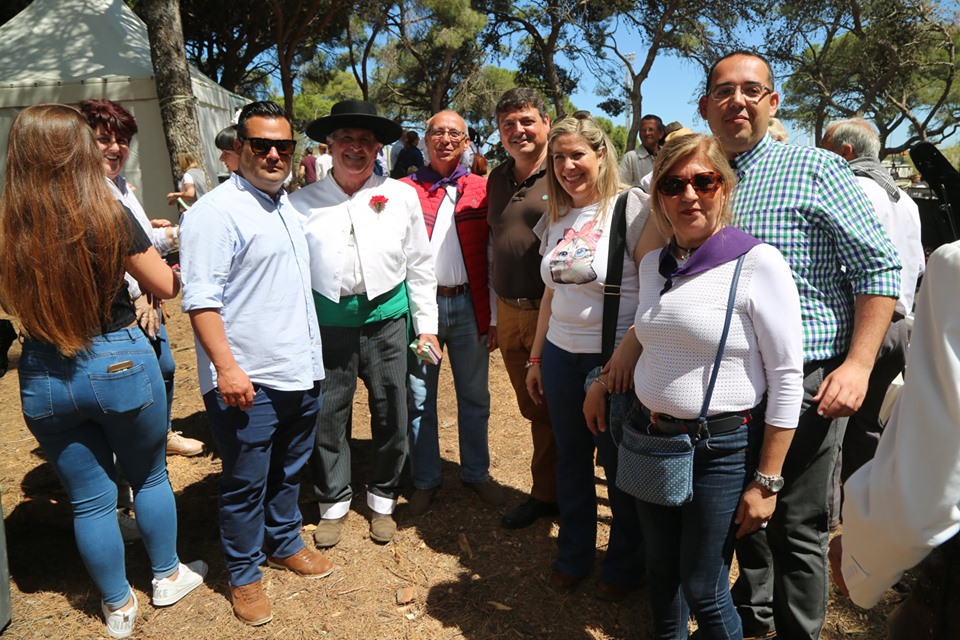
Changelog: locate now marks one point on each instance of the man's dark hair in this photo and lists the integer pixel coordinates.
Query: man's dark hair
(659, 122)
(262, 109)
(739, 52)
(225, 138)
(520, 98)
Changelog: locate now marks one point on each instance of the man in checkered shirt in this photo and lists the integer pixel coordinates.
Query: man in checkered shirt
(808, 204)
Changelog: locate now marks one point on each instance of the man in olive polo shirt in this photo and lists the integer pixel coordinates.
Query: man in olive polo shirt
(517, 198)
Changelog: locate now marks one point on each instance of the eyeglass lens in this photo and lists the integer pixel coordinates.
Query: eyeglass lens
(263, 145)
(706, 182)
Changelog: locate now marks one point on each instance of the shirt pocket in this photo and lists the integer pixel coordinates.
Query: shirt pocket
(122, 392)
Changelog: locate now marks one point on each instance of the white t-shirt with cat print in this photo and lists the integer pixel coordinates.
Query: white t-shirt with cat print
(575, 251)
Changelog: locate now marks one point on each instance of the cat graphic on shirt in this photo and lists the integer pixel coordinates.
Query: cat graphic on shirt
(572, 259)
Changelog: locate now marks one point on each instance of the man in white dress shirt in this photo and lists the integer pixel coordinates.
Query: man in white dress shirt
(371, 268)
(905, 502)
(857, 142)
(454, 204)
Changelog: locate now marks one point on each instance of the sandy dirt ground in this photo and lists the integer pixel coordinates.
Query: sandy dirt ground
(465, 575)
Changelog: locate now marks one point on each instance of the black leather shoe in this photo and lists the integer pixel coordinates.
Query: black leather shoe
(529, 512)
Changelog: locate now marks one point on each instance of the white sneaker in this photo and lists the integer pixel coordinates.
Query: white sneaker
(167, 591)
(120, 623)
(129, 530)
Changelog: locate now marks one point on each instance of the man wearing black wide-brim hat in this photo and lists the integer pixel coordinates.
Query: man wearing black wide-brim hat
(371, 267)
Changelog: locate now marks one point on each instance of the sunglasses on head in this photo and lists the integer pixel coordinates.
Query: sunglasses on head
(706, 182)
(262, 146)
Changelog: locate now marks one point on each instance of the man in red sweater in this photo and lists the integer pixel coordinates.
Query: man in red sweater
(454, 204)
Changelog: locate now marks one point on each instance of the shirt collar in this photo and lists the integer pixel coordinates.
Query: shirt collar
(729, 243)
(746, 160)
(243, 185)
(539, 173)
(429, 175)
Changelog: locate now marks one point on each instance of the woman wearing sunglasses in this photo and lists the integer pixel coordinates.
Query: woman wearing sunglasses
(90, 384)
(755, 404)
(583, 186)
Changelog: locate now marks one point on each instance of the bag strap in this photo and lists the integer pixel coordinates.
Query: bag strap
(611, 289)
(723, 343)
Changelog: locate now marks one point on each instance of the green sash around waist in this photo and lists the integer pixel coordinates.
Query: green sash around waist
(356, 311)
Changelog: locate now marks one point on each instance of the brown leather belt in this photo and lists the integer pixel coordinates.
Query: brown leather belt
(452, 292)
(521, 303)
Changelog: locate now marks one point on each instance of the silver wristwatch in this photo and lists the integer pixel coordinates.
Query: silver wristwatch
(773, 484)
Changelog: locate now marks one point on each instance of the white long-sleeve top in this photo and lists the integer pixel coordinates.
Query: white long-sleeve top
(392, 245)
(680, 332)
(901, 221)
(122, 192)
(906, 501)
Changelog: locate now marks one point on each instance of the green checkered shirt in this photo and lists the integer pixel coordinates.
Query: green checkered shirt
(807, 203)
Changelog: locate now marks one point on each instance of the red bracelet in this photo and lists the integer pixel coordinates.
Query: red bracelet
(533, 361)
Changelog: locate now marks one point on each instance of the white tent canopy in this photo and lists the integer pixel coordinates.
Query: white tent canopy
(72, 50)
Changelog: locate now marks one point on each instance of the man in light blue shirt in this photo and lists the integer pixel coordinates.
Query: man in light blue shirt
(246, 274)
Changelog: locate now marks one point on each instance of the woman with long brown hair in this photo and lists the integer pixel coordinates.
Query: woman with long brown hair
(90, 385)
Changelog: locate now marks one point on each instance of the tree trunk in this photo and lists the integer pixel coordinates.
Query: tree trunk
(553, 87)
(178, 107)
(636, 112)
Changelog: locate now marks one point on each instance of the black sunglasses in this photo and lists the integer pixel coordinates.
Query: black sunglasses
(706, 182)
(262, 146)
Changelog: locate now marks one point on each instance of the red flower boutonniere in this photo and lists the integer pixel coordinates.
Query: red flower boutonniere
(377, 203)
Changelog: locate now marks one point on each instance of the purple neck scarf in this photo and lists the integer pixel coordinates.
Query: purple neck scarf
(729, 243)
(428, 174)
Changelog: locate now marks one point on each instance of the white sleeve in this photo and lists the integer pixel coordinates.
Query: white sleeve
(186, 179)
(421, 272)
(638, 214)
(904, 503)
(774, 308)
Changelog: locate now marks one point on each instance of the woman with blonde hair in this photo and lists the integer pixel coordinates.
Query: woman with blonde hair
(576, 236)
(193, 181)
(721, 374)
(90, 385)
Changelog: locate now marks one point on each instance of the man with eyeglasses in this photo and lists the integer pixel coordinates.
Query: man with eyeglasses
(246, 286)
(454, 203)
(517, 195)
(805, 202)
(638, 163)
(372, 269)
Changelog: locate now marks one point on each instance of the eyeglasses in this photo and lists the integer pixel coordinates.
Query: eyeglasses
(455, 136)
(752, 92)
(706, 182)
(262, 146)
(107, 141)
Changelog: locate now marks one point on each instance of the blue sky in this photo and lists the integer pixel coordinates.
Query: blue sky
(671, 92)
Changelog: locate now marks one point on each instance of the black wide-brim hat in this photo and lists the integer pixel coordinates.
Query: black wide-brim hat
(355, 114)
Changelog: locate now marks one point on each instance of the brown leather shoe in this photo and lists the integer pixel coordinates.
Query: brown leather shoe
(562, 582)
(250, 604)
(609, 592)
(489, 492)
(306, 562)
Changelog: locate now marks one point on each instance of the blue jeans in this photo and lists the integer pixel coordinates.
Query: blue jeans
(263, 451)
(470, 363)
(161, 346)
(82, 416)
(563, 377)
(689, 548)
